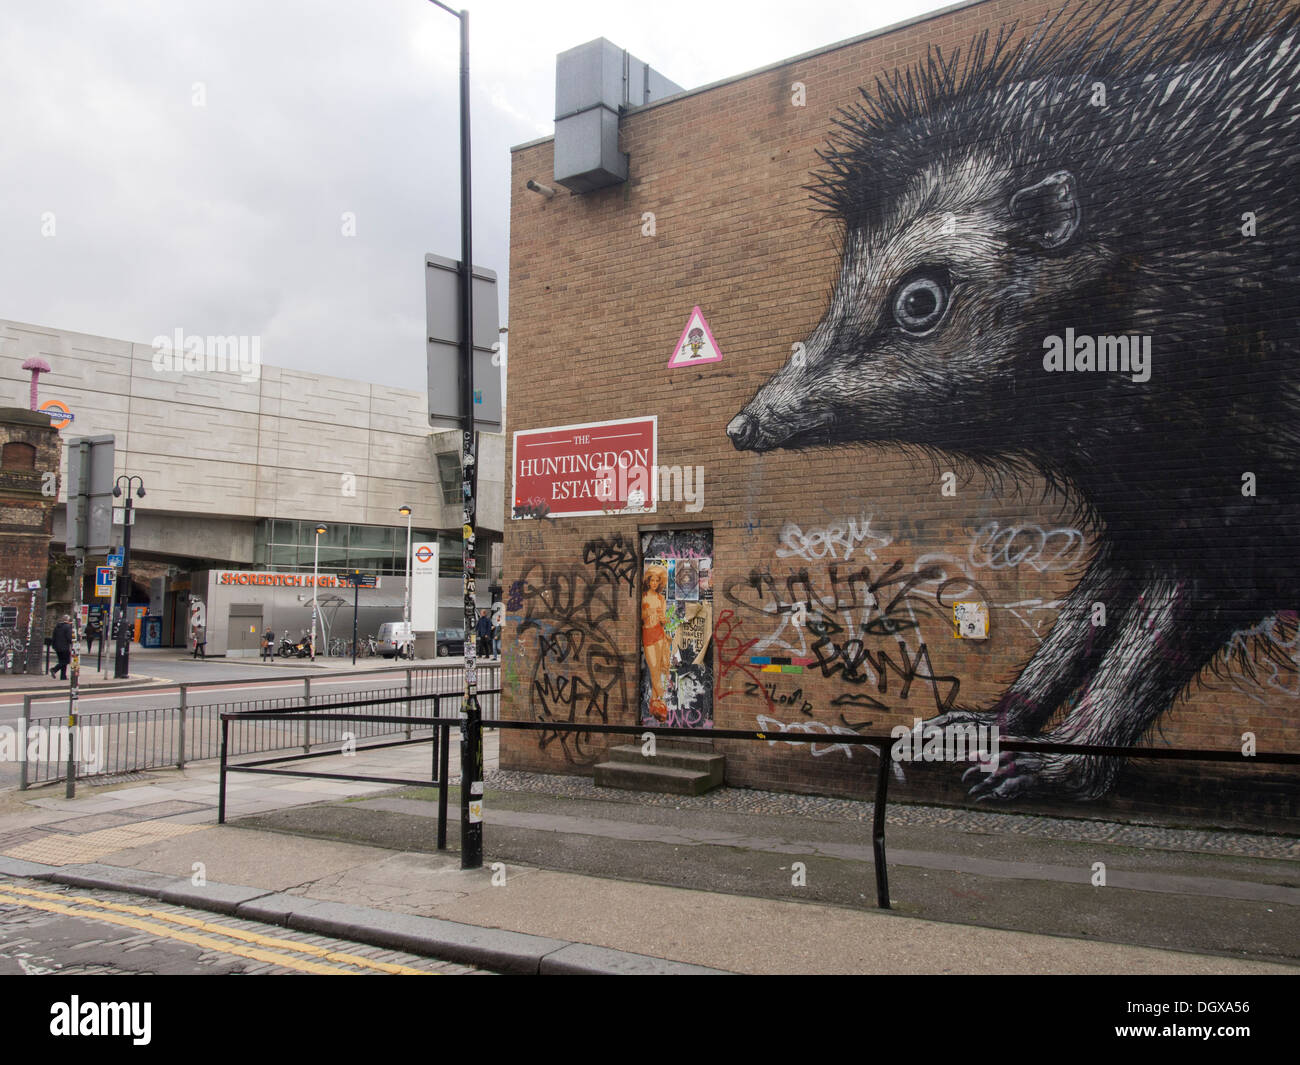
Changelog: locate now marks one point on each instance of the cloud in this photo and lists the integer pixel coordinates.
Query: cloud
(228, 218)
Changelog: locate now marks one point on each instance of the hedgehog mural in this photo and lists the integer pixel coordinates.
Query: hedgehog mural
(1078, 254)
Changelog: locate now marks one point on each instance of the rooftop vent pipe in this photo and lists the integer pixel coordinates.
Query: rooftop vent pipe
(593, 84)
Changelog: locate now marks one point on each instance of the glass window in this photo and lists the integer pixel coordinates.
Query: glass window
(449, 475)
(375, 538)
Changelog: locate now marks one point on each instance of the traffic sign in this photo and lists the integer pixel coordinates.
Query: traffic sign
(104, 578)
(356, 577)
(116, 558)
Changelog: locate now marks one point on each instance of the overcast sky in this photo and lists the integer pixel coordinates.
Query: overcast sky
(188, 164)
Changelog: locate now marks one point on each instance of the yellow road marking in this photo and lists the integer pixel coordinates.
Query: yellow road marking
(233, 933)
(185, 937)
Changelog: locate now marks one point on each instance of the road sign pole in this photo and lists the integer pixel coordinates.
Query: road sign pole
(356, 602)
(471, 737)
(104, 630)
(79, 574)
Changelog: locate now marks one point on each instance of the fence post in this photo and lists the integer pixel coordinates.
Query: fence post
(180, 759)
(22, 742)
(445, 730)
(221, 791)
(306, 724)
(878, 829)
(408, 701)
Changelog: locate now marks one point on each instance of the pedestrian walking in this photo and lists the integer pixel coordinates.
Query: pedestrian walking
(496, 640)
(200, 641)
(93, 633)
(268, 645)
(62, 643)
(483, 632)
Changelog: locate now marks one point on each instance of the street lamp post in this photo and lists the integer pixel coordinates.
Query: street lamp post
(122, 663)
(471, 735)
(315, 583)
(406, 608)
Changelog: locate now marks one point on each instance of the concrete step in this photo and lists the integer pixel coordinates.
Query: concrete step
(673, 757)
(673, 770)
(652, 778)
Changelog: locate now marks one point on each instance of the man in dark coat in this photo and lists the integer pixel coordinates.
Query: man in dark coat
(62, 643)
(483, 630)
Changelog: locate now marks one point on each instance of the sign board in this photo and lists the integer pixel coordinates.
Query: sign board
(98, 486)
(424, 587)
(442, 314)
(696, 344)
(60, 414)
(120, 513)
(268, 579)
(104, 577)
(352, 577)
(116, 558)
(576, 471)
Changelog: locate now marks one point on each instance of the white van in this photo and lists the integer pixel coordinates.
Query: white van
(395, 639)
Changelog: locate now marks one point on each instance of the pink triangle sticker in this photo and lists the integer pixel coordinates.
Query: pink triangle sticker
(696, 345)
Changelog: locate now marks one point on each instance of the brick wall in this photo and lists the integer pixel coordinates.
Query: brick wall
(28, 493)
(596, 306)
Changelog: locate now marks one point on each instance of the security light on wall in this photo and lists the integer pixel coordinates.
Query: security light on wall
(541, 190)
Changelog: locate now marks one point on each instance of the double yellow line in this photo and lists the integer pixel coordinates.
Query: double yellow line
(133, 917)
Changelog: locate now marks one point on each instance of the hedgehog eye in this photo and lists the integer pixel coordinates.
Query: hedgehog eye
(920, 301)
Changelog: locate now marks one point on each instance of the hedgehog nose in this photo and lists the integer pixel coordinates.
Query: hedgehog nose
(743, 431)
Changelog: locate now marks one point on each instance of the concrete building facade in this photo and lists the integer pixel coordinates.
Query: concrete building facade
(239, 467)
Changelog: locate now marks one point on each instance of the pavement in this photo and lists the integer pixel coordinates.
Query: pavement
(586, 880)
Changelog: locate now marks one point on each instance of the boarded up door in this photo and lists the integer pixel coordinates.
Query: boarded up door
(677, 628)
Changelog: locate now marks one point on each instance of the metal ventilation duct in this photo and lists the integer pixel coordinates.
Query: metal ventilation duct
(593, 83)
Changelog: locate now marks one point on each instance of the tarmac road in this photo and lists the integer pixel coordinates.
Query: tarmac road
(50, 929)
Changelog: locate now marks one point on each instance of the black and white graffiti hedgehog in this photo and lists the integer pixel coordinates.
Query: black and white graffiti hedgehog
(1113, 194)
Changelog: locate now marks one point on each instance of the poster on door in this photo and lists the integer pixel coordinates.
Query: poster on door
(677, 628)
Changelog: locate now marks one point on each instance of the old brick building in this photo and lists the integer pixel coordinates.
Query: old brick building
(29, 470)
(798, 567)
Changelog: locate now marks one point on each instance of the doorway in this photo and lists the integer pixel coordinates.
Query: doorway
(677, 583)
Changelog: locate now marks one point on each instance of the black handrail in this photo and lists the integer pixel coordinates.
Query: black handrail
(441, 740)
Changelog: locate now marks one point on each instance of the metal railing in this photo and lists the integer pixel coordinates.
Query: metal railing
(882, 744)
(189, 729)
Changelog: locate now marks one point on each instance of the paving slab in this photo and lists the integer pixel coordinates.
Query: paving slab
(409, 882)
(705, 928)
(271, 861)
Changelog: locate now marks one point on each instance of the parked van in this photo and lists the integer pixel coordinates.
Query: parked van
(395, 640)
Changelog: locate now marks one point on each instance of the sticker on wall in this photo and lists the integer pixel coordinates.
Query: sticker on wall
(972, 620)
(696, 345)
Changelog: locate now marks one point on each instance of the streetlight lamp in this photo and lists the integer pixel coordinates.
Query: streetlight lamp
(406, 607)
(315, 583)
(122, 661)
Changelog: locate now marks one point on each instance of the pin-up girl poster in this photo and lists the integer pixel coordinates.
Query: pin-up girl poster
(654, 638)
